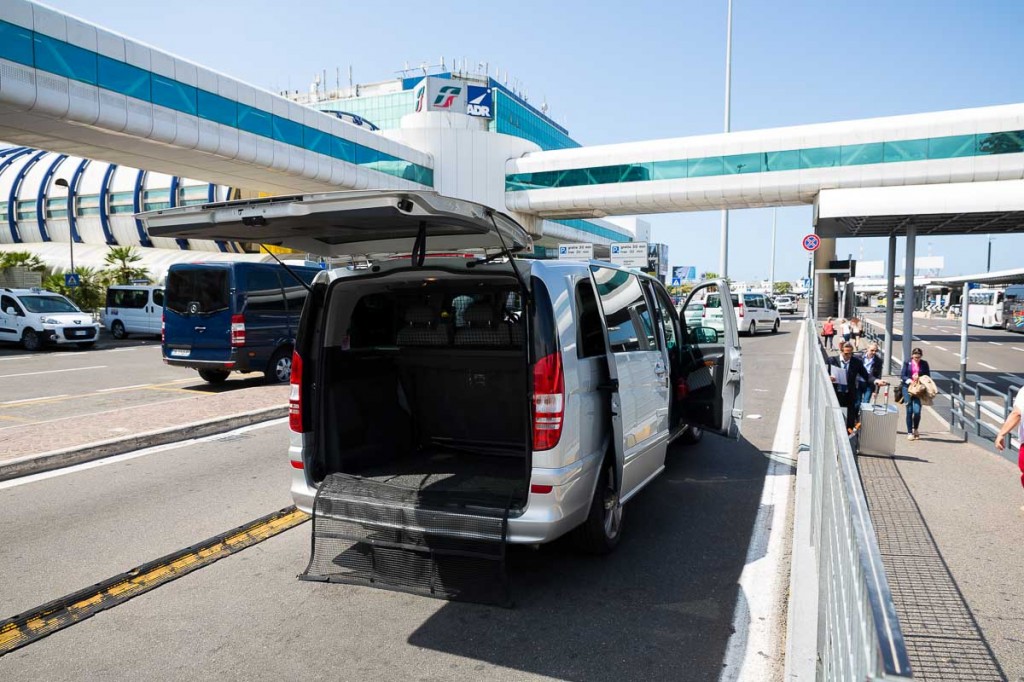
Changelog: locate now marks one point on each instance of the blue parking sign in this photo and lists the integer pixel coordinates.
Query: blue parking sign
(72, 279)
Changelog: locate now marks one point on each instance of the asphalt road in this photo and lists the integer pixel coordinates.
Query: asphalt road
(660, 607)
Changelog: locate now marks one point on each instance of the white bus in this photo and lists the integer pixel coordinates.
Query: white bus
(986, 308)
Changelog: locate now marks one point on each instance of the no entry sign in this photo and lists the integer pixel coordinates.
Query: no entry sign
(812, 242)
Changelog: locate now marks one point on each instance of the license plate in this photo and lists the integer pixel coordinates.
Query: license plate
(180, 352)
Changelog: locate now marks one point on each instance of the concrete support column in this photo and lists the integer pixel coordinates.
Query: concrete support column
(890, 295)
(824, 285)
(908, 292)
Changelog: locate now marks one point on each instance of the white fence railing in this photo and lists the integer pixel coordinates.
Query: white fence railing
(858, 635)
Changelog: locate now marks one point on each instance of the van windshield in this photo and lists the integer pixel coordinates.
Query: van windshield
(197, 291)
(48, 304)
(713, 301)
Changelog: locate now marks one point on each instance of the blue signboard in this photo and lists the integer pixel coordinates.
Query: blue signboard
(72, 279)
(479, 101)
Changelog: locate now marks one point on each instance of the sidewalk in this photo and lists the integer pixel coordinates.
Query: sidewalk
(42, 446)
(950, 528)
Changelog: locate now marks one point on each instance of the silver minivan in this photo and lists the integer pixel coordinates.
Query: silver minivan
(446, 393)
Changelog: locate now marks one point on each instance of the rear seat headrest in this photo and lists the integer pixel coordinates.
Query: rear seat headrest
(420, 315)
(479, 315)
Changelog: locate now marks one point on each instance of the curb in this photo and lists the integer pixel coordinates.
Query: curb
(58, 459)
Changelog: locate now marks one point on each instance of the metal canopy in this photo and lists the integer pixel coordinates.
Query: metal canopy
(933, 224)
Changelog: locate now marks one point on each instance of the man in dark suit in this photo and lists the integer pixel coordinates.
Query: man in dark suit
(851, 370)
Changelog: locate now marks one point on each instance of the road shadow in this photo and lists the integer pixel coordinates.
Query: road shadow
(659, 607)
(244, 381)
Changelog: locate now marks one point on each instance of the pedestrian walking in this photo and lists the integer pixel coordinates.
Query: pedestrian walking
(856, 331)
(873, 364)
(828, 332)
(847, 330)
(1014, 420)
(847, 371)
(913, 390)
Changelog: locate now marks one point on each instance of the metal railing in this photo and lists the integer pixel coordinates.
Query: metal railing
(859, 636)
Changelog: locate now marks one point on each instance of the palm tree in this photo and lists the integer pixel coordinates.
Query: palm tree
(121, 260)
(24, 259)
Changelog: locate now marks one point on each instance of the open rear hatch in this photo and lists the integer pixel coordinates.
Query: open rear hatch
(417, 380)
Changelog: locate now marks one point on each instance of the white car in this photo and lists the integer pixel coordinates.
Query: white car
(133, 309)
(36, 318)
(786, 304)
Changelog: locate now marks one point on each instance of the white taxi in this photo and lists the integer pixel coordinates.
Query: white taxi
(36, 318)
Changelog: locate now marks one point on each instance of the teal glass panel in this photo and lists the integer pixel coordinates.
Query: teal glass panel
(952, 147)
(57, 213)
(819, 157)
(123, 78)
(255, 121)
(287, 131)
(782, 161)
(174, 95)
(121, 208)
(699, 168)
(742, 163)
(16, 44)
(64, 59)
(905, 150)
(89, 210)
(342, 149)
(1010, 142)
(26, 209)
(316, 141)
(595, 229)
(217, 109)
(860, 154)
(668, 170)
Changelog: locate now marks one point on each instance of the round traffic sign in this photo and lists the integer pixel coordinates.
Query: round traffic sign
(812, 242)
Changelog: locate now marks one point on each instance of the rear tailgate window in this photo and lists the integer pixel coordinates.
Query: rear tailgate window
(198, 291)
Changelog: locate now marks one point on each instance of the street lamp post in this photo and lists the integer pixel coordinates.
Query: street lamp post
(723, 263)
(988, 263)
(61, 182)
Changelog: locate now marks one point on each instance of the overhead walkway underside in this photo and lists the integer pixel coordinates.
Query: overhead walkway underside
(72, 87)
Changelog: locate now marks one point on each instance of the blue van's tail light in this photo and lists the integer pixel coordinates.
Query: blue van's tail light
(548, 401)
(295, 398)
(237, 330)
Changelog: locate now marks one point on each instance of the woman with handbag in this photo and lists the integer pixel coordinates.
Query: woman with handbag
(913, 390)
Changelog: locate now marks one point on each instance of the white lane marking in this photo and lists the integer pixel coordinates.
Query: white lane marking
(941, 348)
(13, 483)
(53, 371)
(927, 343)
(753, 649)
(995, 343)
(32, 400)
(16, 357)
(1016, 348)
(122, 388)
(986, 365)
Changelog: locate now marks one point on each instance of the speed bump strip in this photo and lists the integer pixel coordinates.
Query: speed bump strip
(65, 611)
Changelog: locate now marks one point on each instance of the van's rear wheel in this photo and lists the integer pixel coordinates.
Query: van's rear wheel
(600, 533)
(117, 330)
(279, 369)
(752, 329)
(775, 327)
(214, 376)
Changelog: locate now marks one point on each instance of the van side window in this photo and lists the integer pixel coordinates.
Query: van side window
(158, 297)
(590, 341)
(265, 295)
(669, 322)
(623, 302)
(8, 302)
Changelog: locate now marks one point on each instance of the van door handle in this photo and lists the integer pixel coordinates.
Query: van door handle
(660, 370)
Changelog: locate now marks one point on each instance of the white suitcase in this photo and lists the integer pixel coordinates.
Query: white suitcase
(878, 423)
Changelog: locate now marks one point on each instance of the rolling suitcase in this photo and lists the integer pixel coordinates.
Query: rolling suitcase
(878, 427)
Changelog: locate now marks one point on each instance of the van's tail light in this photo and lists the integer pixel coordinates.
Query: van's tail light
(295, 395)
(740, 313)
(237, 330)
(548, 401)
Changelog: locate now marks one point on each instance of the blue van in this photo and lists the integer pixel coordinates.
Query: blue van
(233, 317)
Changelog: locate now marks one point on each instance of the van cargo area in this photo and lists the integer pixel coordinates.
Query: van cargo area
(425, 387)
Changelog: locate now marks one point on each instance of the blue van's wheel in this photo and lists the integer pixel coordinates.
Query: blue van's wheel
(214, 376)
(279, 369)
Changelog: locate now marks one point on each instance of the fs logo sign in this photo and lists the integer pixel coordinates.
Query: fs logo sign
(446, 96)
(421, 96)
(479, 101)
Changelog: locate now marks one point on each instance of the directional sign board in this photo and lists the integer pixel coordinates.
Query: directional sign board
(575, 252)
(629, 254)
(812, 242)
(72, 279)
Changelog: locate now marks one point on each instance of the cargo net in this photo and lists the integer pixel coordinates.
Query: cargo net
(385, 535)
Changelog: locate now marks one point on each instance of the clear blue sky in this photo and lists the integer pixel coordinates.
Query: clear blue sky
(615, 72)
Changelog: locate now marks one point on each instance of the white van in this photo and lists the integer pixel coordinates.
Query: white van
(133, 309)
(447, 405)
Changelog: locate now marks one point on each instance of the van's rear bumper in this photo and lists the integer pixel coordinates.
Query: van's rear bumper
(546, 517)
(236, 362)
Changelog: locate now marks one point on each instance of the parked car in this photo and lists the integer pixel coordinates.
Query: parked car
(694, 314)
(133, 309)
(36, 318)
(753, 312)
(786, 304)
(233, 317)
(453, 392)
